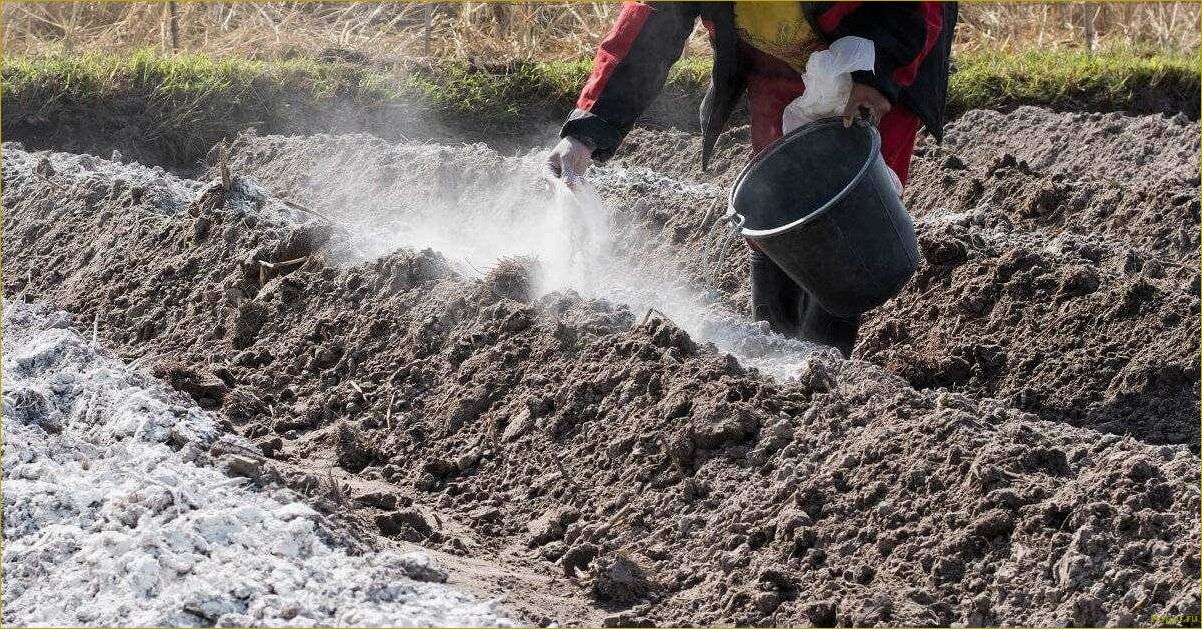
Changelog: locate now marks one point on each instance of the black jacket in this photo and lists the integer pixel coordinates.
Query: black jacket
(913, 48)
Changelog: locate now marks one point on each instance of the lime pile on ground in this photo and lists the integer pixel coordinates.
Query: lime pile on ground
(118, 511)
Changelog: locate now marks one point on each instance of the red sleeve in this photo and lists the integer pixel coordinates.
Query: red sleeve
(630, 69)
(932, 17)
(832, 17)
(613, 50)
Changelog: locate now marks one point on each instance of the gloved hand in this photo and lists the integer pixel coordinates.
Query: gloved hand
(570, 158)
(865, 97)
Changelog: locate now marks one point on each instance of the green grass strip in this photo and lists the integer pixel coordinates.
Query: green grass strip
(983, 80)
(187, 102)
(1117, 79)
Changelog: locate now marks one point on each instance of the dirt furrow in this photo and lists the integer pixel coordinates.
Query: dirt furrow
(1072, 297)
(650, 476)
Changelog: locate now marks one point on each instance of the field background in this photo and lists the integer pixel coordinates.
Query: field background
(543, 30)
(176, 77)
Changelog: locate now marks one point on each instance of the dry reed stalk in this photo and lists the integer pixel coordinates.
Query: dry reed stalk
(547, 30)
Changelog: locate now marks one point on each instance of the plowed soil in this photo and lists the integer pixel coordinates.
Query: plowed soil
(1015, 444)
(1060, 265)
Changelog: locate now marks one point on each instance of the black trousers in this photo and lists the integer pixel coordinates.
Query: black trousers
(792, 312)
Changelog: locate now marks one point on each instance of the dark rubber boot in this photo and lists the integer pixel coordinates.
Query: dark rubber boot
(774, 295)
(820, 326)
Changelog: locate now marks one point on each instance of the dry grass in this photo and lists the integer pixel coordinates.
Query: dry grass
(1009, 26)
(390, 32)
(274, 30)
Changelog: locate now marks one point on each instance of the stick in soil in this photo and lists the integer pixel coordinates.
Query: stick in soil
(54, 184)
(227, 178)
(393, 375)
(137, 362)
(661, 315)
(286, 263)
(335, 487)
(709, 212)
(297, 206)
(564, 473)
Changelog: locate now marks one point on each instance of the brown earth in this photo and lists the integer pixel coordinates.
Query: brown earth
(647, 477)
(1067, 287)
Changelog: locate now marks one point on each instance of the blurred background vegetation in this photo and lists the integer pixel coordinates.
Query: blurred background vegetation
(395, 31)
(177, 77)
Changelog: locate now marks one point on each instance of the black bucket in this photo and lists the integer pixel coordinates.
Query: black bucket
(820, 202)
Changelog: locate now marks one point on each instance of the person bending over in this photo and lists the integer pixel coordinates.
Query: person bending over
(761, 49)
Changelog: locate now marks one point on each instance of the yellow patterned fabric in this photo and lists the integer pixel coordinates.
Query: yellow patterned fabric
(778, 29)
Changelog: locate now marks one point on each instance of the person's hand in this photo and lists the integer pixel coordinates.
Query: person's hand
(570, 158)
(865, 97)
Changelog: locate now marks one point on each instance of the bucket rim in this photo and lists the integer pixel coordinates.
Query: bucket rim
(806, 129)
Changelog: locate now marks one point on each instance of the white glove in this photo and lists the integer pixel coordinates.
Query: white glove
(570, 159)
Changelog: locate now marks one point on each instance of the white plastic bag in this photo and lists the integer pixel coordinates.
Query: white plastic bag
(828, 85)
(828, 81)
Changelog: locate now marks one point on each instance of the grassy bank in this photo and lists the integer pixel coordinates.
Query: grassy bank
(1119, 79)
(172, 109)
(179, 106)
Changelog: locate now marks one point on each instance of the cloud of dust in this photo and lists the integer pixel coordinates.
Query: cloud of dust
(529, 213)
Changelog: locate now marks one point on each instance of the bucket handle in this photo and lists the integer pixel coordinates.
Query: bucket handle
(735, 221)
(863, 118)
